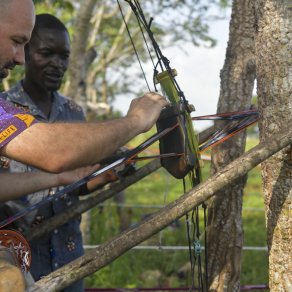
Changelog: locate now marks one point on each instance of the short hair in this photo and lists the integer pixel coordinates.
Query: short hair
(48, 21)
(44, 21)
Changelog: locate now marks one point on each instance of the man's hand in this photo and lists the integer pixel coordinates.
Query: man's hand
(102, 180)
(69, 177)
(146, 109)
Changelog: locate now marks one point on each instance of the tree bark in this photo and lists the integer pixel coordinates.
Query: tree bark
(80, 59)
(224, 230)
(274, 79)
(75, 86)
(109, 251)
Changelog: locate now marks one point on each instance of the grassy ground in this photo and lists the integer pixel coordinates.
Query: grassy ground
(164, 268)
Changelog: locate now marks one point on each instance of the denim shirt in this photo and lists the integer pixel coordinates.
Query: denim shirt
(63, 244)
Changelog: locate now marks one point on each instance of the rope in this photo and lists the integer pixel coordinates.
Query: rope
(133, 44)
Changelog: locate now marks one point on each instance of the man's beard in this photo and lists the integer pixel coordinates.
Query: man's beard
(4, 70)
(3, 73)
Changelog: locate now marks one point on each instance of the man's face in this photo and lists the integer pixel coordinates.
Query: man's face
(16, 24)
(47, 59)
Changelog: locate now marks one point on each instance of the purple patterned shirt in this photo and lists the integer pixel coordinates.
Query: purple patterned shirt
(13, 121)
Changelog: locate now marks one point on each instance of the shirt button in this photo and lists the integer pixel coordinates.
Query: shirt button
(56, 265)
(56, 231)
(52, 252)
(51, 192)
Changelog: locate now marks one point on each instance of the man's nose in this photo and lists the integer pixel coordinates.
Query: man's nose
(56, 61)
(19, 57)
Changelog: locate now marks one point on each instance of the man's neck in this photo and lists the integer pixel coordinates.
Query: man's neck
(43, 99)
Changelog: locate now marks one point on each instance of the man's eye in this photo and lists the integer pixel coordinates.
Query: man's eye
(17, 42)
(45, 54)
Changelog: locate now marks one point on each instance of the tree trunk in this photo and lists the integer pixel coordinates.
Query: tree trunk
(75, 86)
(274, 79)
(109, 251)
(224, 231)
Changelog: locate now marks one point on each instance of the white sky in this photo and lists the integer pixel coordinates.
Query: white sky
(198, 72)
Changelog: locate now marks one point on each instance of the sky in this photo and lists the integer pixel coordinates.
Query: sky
(198, 72)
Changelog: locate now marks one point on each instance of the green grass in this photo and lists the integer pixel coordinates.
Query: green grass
(159, 268)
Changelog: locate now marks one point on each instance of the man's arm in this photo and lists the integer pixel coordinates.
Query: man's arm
(61, 146)
(15, 185)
